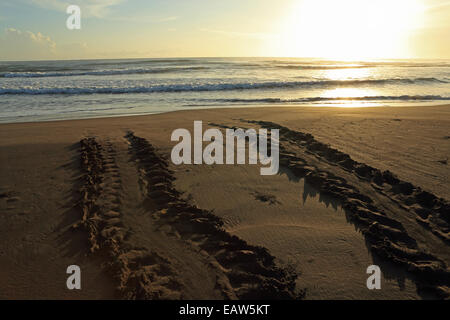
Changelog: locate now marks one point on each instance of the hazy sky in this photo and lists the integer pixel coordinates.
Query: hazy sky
(335, 29)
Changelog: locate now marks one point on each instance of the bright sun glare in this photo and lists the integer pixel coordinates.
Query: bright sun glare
(350, 29)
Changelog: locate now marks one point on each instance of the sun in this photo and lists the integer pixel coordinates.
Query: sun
(350, 29)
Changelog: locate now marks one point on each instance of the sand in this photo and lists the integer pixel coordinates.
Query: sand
(357, 186)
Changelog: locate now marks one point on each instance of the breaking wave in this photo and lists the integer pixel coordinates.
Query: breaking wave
(213, 87)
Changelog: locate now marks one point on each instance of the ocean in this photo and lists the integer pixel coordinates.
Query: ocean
(54, 90)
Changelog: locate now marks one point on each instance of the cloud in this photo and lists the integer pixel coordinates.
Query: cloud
(37, 38)
(437, 15)
(89, 8)
(438, 6)
(22, 45)
(235, 34)
(40, 39)
(19, 45)
(142, 19)
(98, 9)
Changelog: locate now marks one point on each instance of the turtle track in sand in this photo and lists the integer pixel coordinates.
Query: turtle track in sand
(243, 271)
(387, 237)
(250, 271)
(140, 273)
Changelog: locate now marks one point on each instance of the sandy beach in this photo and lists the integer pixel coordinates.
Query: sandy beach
(356, 187)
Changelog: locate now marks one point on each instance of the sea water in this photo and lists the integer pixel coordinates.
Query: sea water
(52, 90)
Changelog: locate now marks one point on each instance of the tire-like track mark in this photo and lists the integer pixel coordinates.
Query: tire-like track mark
(250, 271)
(387, 237)
(140, 273)
(432, 212)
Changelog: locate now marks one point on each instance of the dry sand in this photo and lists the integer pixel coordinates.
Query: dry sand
(139, 227)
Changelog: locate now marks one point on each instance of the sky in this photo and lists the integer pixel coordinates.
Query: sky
(332, 29)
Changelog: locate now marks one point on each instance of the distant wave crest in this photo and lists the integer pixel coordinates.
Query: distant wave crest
(98, 72)
(214, 87)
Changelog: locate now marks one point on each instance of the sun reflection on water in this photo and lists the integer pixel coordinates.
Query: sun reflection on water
(349, 96)
(347, 74)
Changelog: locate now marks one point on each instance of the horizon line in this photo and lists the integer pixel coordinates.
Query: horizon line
(224, 57)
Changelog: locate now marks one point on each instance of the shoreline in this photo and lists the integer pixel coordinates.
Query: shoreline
(248, 106)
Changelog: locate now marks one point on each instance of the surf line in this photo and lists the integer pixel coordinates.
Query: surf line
(213, 153)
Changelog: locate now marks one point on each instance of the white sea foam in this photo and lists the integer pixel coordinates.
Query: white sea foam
(67, 89)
